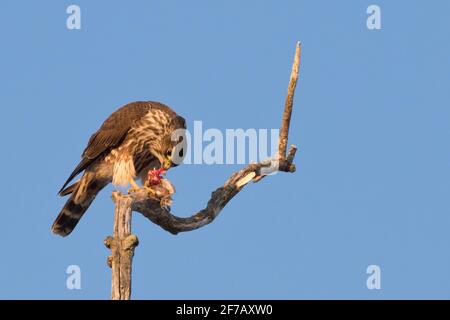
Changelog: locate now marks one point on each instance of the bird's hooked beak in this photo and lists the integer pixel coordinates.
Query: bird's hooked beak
(167, 163)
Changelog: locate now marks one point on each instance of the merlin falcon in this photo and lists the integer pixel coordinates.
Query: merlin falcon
(136, 138)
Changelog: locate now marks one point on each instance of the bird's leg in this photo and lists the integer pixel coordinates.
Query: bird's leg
(134, 186)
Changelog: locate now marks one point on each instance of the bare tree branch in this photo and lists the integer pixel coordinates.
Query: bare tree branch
(286, 121)
(122, 246)
(219, 198)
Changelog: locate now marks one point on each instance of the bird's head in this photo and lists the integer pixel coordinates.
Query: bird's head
(170, 147)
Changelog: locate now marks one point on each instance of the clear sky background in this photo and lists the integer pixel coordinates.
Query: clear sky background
(371, 119)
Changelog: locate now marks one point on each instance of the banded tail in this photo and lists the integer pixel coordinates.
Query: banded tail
(83, 192)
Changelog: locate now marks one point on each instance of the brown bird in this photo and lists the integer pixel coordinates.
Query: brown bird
(136, 138)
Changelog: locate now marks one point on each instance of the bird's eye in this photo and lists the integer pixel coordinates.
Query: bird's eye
(169, 153)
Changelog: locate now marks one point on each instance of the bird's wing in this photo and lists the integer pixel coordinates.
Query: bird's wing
(112, 132)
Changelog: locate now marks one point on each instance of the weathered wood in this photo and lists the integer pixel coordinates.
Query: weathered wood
(286, 120)
(152, 210)
(122, 246)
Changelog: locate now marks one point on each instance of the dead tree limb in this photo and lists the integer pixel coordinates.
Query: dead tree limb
(122, 246)
(123, 243)
(286, 120)
(219, 198)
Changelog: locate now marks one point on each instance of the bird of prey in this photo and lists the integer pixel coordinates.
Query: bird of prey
(134, 139)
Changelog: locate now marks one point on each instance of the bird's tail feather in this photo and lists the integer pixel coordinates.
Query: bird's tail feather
(83, 193)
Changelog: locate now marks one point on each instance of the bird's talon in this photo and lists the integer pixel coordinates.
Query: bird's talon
(151, 192)
(133, 190)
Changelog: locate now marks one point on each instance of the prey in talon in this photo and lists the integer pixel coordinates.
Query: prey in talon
(159, 188)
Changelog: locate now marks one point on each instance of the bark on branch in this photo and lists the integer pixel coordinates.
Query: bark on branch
(122, 246)
(219, 198)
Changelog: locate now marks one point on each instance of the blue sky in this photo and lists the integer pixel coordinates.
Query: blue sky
(371, 119)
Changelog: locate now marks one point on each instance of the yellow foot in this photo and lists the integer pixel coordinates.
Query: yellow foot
(134, 187)
(133, 190)
(151, 192)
